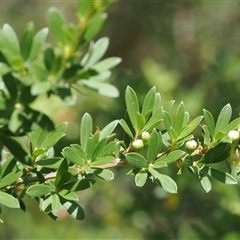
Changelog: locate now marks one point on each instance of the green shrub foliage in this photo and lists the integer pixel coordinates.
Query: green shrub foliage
(153, 139)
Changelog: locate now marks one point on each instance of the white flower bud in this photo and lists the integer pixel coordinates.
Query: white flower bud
(233, 135)
(191, 144)
(145, 136)
(138, 144)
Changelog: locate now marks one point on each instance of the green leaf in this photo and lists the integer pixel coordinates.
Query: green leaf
(205, 182)
(73, 208)
(190, 127)
(8, 165)
(180, 115)
(56, 205)
(108, 150)
(98, 148)
(154, 145)
(132, 106)
(61, 173)
(57, 23)
(84, 7)
(42, 138)
(104, 89)
(95, 52)
(149, 101)
(68, 195)
(223, 118)
(10, 178)
(38, 88)
(104, 174)
(92, 143)
(216, 154)
(75, 154)
(141, 178)
(106, 64)
(136, 160)
(220, 176)
(126, 128)
(103, 161)
(85, 130)
(168, 123)
(17, 149)
(208, 119)
(232, 125)
(94, 26)
(169, 157)
(78, 185)
(26, 40)
(38, 190)
(108, 129)
(38, 42)
(8, 200)
(53, 163)
(9, 45)
(164, 181)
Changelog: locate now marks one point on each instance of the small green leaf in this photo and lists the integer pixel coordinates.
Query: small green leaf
(85, 130)
(73, 208)
(220, 176)
(132, 106)
(95, 52)
(170, 157)
(38, 190)
(208, 119)
(232, 125)
(154, 145)
(168, 123)
(216, 154)
(38, 42)
(140, 121)
(180, 115)
(106, 64)
(104, 174)
(136, 160)
(149, 101)
(10, 178)
(57, 23)
(223, 118)
(108, 129)
(126, 128)
(205, 182)
(104, 89)
(8, 200)
(190, 127)
(68, 195)
(94, 26)
(75, 154)
(141, 178)
(108, 150)
(26, 40)
(56, 205)
(78, 185)
(164, 181)
(53, 163)
(61, 173)
(17, 149)
(103, 161)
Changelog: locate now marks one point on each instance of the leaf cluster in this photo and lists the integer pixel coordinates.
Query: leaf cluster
(152, 137)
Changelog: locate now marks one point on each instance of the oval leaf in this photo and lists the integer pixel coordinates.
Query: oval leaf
(38, 190)
(8, 200)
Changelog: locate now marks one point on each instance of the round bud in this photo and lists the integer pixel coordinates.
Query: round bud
(233, 135)
(145, 137)
(191, 145)
(138, 144)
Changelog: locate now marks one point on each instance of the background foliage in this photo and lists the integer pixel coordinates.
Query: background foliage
(190, 51)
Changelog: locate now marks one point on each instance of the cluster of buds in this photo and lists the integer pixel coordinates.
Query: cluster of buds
(143, 140)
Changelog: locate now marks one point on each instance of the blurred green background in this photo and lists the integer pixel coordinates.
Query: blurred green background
(190, 51)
